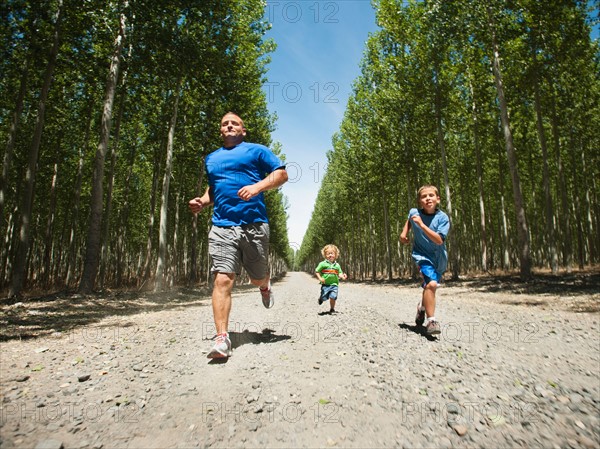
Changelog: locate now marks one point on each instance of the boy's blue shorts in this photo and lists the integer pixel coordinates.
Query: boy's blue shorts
(429, 274)
(329, 292)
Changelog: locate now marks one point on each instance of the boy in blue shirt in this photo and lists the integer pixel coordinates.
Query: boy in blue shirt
(430, 227)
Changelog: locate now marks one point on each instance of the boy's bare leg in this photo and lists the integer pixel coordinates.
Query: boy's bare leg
(221, 300)
(429, 298)
(332, 304)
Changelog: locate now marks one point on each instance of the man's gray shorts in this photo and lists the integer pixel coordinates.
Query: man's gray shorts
(245, 246)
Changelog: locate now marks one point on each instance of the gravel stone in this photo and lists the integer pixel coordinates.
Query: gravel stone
(501, 373)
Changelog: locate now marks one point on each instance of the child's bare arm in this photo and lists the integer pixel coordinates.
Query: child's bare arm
(404, 235)
(433, 236)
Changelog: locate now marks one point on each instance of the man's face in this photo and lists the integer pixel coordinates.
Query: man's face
(232, 129)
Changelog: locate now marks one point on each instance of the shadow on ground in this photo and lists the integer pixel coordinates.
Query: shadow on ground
(250, 337)
(37, 317)
(564, 284)
(255, 338)
(578, 292)
(419, 330)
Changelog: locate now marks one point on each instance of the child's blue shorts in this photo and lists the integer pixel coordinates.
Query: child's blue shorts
(329, 292)
(429, 274)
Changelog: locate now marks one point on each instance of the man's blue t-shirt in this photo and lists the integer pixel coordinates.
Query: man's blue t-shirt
(230, 169)
(423, 248)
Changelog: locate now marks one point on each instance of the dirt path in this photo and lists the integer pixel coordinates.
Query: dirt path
(510, 369)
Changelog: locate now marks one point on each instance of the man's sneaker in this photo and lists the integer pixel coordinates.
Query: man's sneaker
(221, 349)
(433, 328)
(268, 298)
(420, 318)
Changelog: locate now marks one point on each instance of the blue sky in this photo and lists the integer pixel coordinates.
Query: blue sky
(319, 49)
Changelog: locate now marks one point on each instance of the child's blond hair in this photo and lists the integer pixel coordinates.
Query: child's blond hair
(334, 248)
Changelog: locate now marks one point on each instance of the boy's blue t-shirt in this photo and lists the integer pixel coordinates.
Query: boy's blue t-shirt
(230, 169)
(424, 250)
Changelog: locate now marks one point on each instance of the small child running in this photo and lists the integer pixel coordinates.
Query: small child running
(329, 273)
(430, 227)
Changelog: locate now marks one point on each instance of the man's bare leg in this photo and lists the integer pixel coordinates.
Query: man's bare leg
(221, 300)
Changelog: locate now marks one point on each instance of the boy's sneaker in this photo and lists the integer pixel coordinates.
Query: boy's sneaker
(320, 301)
(221, 349)
(420, 318)
(268, 298)
(433, 328)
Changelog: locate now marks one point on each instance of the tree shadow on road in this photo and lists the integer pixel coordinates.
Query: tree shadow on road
(577, 292)
(61, 313)
(574, 284)
(419, 330)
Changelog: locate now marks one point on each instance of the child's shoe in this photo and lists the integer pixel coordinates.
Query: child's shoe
(433, 328)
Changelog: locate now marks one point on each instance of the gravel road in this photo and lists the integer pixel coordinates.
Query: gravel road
(513, 367)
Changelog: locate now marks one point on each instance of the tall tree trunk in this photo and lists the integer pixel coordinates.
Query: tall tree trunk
(480, 174)
(353, 257)
(194, 238)
(72, 254)
(386, 229)
(12, 135)
(565, 204)
(20, 268)
(123, 227)
(48, 238)
(549, 207)
(104, 262)
(164, 201)
(594, 225)
(105, 240)
(151, 218)
(386, 218)
(360, 256)
(92, 255)
(440, 136)
(522, 230)
(372, 247)
(177, 264)
(7, 249)
(505, 256)
(577, 204)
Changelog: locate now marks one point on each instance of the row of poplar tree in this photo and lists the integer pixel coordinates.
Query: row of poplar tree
(497, 103)
(108, 108)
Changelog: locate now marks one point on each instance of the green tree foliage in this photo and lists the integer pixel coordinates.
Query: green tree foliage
(182, 65)
(426, 109)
